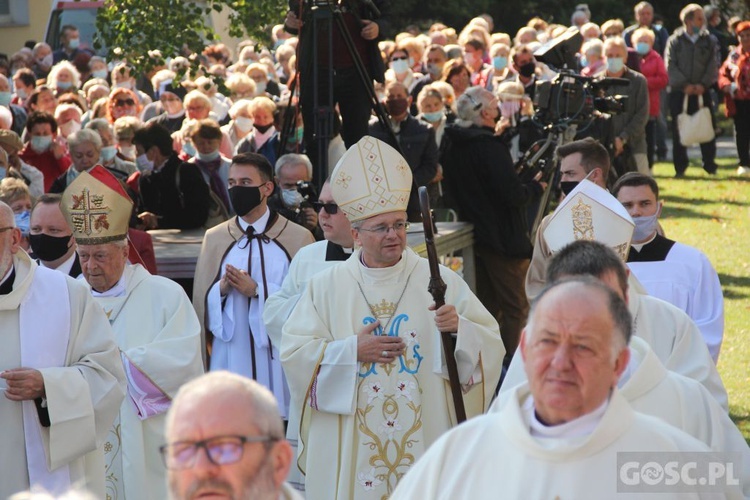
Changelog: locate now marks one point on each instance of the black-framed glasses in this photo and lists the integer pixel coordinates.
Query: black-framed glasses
(402, 58)
(124, 102)
(220, 450)
(383, 229)
(330, 208)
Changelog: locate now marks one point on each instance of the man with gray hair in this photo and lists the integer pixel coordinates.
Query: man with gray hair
(692, 68)
(295, 193)
(108, 157)
(644, 18)
(482, 185)
(561, 433)
(155, 327)
(210, 451)
(61, 378)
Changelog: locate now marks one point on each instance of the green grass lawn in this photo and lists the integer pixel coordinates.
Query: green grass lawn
(712, 213)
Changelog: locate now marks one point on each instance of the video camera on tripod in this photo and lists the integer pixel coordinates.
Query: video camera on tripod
(573, 99)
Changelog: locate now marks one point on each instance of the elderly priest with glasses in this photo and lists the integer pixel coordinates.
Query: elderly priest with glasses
(362, 348)
(155, 327)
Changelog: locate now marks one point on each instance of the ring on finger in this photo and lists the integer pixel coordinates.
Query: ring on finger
(385, 354)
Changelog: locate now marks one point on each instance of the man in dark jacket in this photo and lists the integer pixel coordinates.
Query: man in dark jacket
(365, 25)
(173, 194)
(692, 69)
(481, 183)
(416, 139)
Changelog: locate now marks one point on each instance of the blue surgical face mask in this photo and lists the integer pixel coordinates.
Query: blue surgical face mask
(74, 43)
(143, 163)
(22, 222)
(100, 73)
(107, 153)
(41, 143)
(434, 70)
(188, 148)
(5, 98)
(615, 64)
(433, 117)
(213, 155)
(411, 62)
(64, 85)
(645, 227)
(642, 48)
(400, 66)
(500, 62)
(584, 61)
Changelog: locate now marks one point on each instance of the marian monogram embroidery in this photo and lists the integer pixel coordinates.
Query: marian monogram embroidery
(389, 411)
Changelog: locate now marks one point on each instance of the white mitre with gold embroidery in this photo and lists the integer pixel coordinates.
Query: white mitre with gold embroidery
(589, 212)
(371, 178)
(97, 207)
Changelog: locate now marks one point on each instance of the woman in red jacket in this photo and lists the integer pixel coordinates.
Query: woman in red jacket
(653, 68)
(734, 81)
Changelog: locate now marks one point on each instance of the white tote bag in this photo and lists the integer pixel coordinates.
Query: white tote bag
(696, 128)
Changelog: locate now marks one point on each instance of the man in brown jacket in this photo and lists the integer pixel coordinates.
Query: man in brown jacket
(242, 262)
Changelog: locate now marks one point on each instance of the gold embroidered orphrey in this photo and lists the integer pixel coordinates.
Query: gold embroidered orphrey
(88, 213)
(583, 221)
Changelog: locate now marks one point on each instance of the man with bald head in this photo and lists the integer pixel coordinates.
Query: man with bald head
(61, 380)
(560, 434)
(210, 451)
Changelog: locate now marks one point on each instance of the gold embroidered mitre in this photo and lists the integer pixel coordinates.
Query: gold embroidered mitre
(97, 207)
(590, 213)
(370, 179)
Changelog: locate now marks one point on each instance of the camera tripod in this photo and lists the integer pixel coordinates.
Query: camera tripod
(323, 16)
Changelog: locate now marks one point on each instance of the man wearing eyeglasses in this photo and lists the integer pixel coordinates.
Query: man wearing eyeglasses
(242, 262)
(210, 452)
(361, 349)
(309, 261)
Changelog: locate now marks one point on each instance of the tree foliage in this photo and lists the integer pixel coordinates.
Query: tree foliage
(130, 29)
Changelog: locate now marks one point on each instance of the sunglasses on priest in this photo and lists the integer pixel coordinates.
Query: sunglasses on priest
(330, 208)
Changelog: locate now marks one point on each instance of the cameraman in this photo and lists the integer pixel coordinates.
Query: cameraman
(348, 90)
(292, 171)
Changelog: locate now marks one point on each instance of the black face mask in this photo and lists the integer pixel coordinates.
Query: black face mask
(567, 186)
(263, 128)
(244, 198)
(527, 69)
(49, 248)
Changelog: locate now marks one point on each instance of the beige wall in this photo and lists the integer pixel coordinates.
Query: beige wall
(13, 38)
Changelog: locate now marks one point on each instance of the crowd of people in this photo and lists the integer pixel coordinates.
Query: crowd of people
(573, 350)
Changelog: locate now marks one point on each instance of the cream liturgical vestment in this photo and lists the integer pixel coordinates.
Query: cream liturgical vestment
(496, 456)
(84, 389)
(159, 338)
(365, 425)
(672, 336)
(683, 276)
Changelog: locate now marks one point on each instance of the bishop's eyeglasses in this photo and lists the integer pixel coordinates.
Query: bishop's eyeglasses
(382, 229)
(220, 450)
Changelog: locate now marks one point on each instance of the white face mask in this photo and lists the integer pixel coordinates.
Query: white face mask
(260, 88)
(645, 227)
(128, 151)
(291, 197)
(69, 128)
(243, 123)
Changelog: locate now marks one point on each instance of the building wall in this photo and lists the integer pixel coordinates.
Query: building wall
(12, 37)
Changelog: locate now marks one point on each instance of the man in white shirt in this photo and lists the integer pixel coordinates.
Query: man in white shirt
(677, 273)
